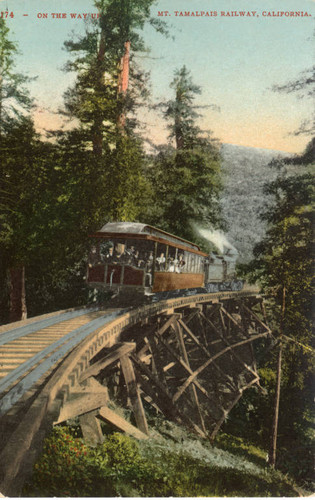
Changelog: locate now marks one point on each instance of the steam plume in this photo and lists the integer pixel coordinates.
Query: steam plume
(218, 239)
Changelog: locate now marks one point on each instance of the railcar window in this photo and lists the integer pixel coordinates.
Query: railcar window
(139, 253)
(134, 252)
(116, 252)
(187, 256)
(175, 260)
(197, 264)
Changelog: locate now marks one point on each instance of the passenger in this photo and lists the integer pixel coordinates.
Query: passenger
(103, 251)
(110, 255)
(148, 264)
(137, 261)
(94, 257)
(149, 261)
(130, 255)
(180, 263)
(120, 254)
(161, 262)
(171, 265)
(131, 250)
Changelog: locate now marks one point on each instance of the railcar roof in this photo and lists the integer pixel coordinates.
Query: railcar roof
(145, 229)
(124, 227)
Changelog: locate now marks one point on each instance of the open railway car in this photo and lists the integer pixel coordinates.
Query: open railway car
(137, 259)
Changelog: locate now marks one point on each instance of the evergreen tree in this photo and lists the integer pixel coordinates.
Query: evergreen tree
(15, 103)
(14, 97)
(283, 266)
(284, 257)
(56, 194)
(34, 211)
(186, 178)
(41, 221)
(303, 87)
(106, 109)
(96, 168)
(182, 112)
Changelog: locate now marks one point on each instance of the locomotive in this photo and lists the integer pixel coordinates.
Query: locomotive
(135, 260)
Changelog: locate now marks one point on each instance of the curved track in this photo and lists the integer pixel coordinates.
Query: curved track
(30, 351)
(40, 362)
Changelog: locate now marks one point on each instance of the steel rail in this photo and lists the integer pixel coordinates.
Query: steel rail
(56, 350)
(65, 343)
(24, 441)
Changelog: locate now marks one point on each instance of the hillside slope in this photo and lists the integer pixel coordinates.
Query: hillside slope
(172, 463)
(245, 171)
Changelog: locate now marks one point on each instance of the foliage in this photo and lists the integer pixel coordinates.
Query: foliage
(96, 100)
(21, 184)
(186, 179)
(244, 173)
(39, 228)
(14, 97)
(283, 266)
(67, 468)
(303, 87)
(55, 194)
(120, 467)
(251, 421)
(104, 136)
(241, 447)
(185, 184)
(182, 113)
(17, 142)
(284, 257)
(17, 139)
(127, 191)
(306, 158)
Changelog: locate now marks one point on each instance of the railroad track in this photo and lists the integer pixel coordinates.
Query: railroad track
(30, 351)
(45, 357)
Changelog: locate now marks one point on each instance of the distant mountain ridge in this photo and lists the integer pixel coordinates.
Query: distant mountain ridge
(245, 170)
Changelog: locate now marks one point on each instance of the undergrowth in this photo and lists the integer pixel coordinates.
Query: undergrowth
(160, 466)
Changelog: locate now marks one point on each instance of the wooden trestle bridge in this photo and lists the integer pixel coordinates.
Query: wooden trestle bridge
(191, 358)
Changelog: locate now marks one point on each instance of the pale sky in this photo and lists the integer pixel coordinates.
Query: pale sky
(234, 59)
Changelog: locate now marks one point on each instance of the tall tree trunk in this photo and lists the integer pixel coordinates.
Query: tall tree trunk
(123, 81)
(274, 436)
(18, 309)
(179, 139)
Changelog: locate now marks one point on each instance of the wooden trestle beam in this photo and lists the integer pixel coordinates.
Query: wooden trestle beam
(193, 365)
